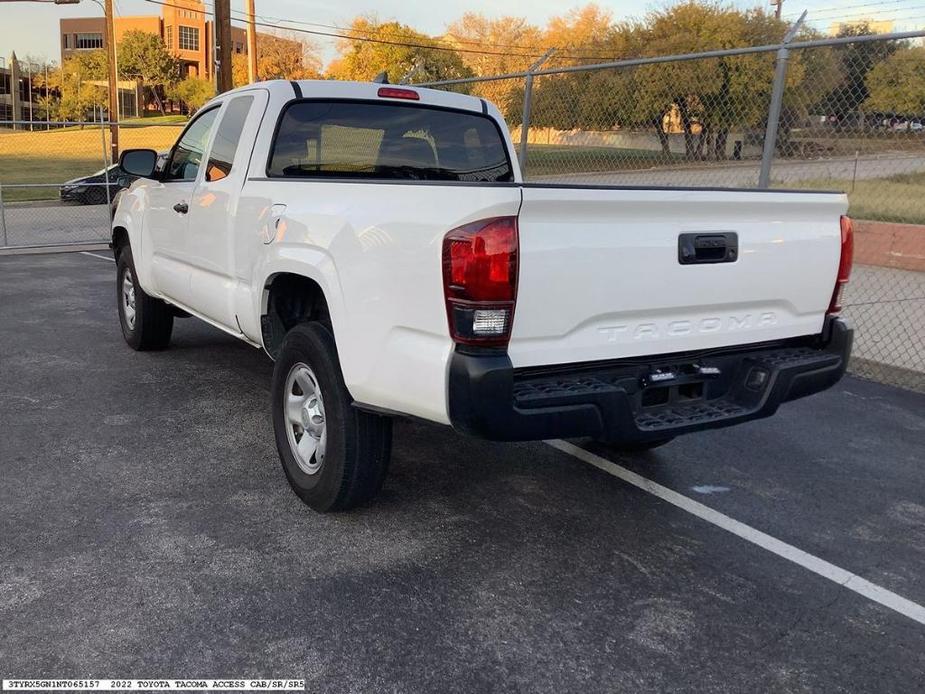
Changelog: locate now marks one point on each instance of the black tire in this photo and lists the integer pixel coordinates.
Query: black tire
(357, 444)
(637, 446)
(153, 320)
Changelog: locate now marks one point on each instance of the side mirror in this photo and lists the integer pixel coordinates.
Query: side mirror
(138, 162)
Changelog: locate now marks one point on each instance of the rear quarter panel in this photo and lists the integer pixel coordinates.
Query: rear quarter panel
(376, 251)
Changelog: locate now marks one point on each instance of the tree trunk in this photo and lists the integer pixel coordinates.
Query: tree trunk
(158, 101)
(704, 141)
(719, 146)
(663, 140)
(687, 124)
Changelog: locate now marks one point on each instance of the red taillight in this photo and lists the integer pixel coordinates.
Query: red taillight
(480, 280)
(844, 264)
(397, 93)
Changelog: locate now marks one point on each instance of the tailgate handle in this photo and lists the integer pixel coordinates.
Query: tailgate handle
(715, 247)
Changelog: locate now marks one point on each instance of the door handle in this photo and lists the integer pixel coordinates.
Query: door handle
(181, 207)
(710, 247)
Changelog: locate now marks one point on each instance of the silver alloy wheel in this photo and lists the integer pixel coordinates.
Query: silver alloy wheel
(305, 423)
(128, 298)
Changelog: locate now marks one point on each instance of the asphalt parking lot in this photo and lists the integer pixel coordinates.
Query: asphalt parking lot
(146, 530)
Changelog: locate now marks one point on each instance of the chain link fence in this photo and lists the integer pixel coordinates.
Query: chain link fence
(57, 183)
(815, 115)
(807, 115)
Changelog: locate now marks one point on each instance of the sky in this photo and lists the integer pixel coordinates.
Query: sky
(31, 28)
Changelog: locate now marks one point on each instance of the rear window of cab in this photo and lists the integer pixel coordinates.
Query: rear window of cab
(387, 141)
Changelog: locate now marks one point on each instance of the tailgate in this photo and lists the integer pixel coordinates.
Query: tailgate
(601, 278)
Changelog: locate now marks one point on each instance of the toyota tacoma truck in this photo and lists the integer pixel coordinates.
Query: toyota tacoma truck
(379, 244)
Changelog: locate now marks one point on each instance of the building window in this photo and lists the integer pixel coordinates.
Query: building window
(4, 83)
(66, 41)
(169, 37)
(189, 38)
(89, 40)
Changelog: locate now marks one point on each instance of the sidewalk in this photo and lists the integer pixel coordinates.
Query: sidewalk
(887, 307)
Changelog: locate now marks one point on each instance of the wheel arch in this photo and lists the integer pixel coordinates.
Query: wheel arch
(119, 241)
(290, 298)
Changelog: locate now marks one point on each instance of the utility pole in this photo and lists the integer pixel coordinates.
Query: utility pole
(251, 43)
(223, 81)
(113, 82)
(778, 7)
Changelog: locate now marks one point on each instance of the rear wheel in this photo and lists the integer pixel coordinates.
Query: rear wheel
(334, 455)
(147, 323)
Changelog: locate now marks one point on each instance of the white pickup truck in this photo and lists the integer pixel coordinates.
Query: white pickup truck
(379, 244)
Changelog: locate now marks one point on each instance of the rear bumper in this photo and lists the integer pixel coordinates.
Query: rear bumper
(643, 398)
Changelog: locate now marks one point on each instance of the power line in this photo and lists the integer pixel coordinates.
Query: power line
(378, 32)
(865, 4)
(407, 44)
(871, 14)
(374, 32)
(868, 8)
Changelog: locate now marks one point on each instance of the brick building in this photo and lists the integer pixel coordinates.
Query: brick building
(184, 25)
(16, 90)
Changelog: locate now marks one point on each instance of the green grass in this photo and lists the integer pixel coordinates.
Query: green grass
(156, 120)
(898, 198)
(55, 156)
(547, 160)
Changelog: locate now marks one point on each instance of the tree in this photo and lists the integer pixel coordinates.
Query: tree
(40, 71)
(80, 84)
(362, 59)
(584, 31)
(192, 91)
(848, 90)
(897, 85)
(708, 97)
(144, 55)
(279, 57)
(510, 44)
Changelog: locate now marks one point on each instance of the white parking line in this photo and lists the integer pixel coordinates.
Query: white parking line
(844, 578)
(95, 255)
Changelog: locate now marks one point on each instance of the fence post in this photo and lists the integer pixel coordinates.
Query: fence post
(777, 99)
(3, 218)
(107, 162)
(528, 104)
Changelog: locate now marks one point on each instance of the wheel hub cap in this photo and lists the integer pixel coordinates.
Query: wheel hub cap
(305, 421)
(128, 298)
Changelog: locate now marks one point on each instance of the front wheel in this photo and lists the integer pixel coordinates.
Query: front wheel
(335, 456)
(146, 322)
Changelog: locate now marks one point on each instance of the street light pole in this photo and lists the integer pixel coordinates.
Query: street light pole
(251, 43)
(224, 81)
(113, 83)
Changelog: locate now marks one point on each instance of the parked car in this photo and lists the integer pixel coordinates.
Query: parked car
(908, 126)
(379, 243)
(114, 201)
(91, 190)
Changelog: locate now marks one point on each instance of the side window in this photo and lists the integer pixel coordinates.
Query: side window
(221, 158)
(187, 154)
